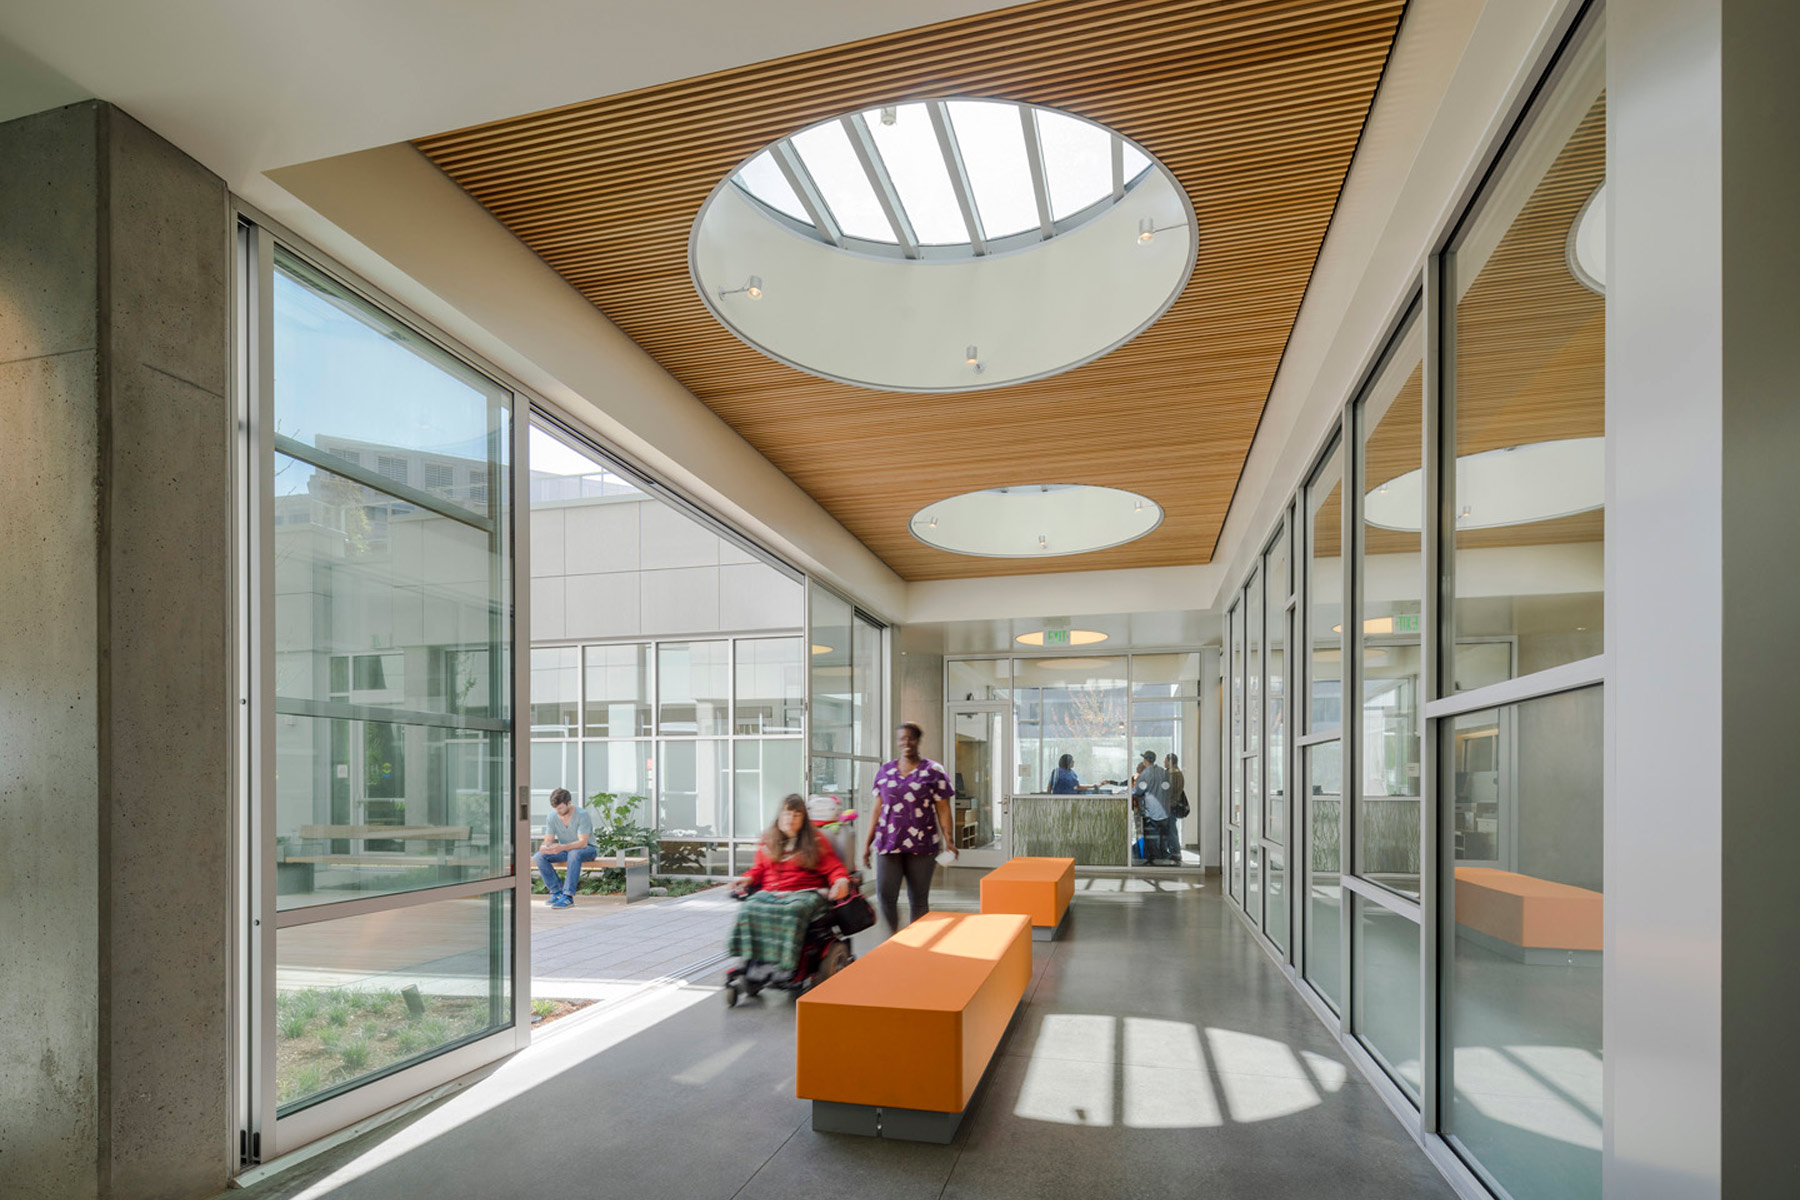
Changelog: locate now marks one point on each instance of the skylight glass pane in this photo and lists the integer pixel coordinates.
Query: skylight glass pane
(764, 180)
(993, 151)
(1077, 162)
(1136, 162)
(825, 149)
(909, 149)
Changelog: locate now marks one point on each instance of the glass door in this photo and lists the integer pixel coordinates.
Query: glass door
(379, 627)
(977, 741)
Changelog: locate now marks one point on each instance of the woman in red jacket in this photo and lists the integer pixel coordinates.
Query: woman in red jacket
(792, 862)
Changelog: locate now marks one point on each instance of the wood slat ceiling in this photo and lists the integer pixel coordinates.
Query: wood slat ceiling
(1254, 105)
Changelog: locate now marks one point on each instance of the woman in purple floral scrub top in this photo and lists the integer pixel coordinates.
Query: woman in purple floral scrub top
(912, 803)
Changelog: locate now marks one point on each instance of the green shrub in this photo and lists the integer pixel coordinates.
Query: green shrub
(355, 1055)
(292, 1023)
(304, 1081)
(542, 1008)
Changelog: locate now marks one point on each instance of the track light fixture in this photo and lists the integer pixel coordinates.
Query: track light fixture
(752, 288)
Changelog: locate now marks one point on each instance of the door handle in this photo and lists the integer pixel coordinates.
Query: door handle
(524, 802)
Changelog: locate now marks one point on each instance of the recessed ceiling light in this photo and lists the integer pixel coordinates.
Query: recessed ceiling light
(1587, 243)
(822, 649)
(1077, 637)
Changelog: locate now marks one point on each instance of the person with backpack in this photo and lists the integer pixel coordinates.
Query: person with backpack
(1178, 808)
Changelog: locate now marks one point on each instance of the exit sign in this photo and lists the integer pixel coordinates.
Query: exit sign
(1056, 637)
(1406, 622)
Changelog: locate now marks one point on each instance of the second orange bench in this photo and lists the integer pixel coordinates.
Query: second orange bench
(1038, 888)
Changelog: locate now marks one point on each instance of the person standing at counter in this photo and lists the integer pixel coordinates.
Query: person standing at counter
(912, 807)
(1150, 796)
(1178, 808)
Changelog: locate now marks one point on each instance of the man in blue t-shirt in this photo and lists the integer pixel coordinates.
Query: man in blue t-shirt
(568, 838)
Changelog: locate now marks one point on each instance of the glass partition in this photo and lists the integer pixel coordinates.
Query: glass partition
(1389, 604)
(1325, 596)
(1323, 961)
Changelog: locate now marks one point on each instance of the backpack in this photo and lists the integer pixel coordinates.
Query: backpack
(1179, 808)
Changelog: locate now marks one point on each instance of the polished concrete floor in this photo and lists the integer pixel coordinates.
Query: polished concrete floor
(1158, 1053)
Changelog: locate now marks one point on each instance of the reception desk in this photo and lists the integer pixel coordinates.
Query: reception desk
(1094, 829)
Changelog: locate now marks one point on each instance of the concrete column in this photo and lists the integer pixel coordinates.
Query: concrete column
(115, 665)
(1703, 558)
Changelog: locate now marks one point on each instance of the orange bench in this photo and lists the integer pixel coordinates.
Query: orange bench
(1528, 919)
(943, 990)
(1039, 888)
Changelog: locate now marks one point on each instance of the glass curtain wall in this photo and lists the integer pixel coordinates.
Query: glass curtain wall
(848, 732)
(699, 716)
(1467, 479)
(383, 831)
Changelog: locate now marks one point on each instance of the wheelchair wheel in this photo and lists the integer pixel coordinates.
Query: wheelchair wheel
(731, 994)
(835, 960)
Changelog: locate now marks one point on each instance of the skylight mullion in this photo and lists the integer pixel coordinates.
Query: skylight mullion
(1040, 185)
(1118, 168)
(876, 169)
(959, 176)
(800, 179)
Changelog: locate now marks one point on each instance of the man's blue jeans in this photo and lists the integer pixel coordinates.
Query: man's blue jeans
(574, 859)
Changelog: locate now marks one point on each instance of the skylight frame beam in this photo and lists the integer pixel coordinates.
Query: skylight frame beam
(787, 159)
(959, 176)
(886, 195)
(1040, 183)
(1118, 168)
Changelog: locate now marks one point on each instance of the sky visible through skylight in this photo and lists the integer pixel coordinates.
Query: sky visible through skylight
(990, 138)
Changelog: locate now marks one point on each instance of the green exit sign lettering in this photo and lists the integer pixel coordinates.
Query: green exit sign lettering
(1057, 637)
(1406, 623)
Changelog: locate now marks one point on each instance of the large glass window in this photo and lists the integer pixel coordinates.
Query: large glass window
(1389, 602)
(1323, 961)
(1276, 576)
(1325, 596)
(555, 692)
(1077, 706)
(1522, 1012)
(1529, 413)
(387, 601)
(618, 691)
(771, 688)
(693, 688)
(1386, 983)
(389, 712)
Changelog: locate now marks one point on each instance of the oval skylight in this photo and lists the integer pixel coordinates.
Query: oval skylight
(1518, 485)
(1587, 243)
(1036, 520)
(943, 178)
(943, 245)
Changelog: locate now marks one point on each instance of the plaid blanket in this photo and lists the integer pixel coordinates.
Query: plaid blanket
(771, 927)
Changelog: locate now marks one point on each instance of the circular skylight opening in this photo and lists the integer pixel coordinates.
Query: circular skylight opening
(943, 245)
(1519, 485)
(1587, 243)
(1061, 637)
(1036, 520)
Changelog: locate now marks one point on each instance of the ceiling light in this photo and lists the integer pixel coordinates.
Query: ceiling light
(1147, 230)
(889, 114)
(1372, 625)
(934, 522)
(1465, 514)
(1076, 637)
(752, 288)
(1042, 544)
(972, 360)
(821, 649)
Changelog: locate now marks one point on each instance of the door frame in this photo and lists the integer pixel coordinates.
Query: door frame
(1003, 772)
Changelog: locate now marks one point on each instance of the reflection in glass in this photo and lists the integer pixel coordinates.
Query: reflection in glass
(1235, 764)
(555, 692)
(771, 689)
(1387, 629)
(1530, 398)
(693, 783)
(865, 688)
(1324, 957)
(767, 769)
(1154, 676)
(1325, 596)
(1074, 706)
(554, 765)
(1276, 925)
(1275, 691)
(693, 687)
(359, 997)
(618, 769)
(1522, 1014)
(978, 679)
(832, 715)
(1385, 971)
(618, 690)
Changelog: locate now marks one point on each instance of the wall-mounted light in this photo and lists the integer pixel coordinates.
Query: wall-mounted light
(752, 288)
(889, 114)
(972, 360)
(933, 523)
(1042, 544)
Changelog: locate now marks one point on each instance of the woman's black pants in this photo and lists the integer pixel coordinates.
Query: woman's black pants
(916, 869)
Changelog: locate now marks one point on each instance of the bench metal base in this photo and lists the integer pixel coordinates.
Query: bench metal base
(1049, 933)
(1534, 956)
(899, 1124)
